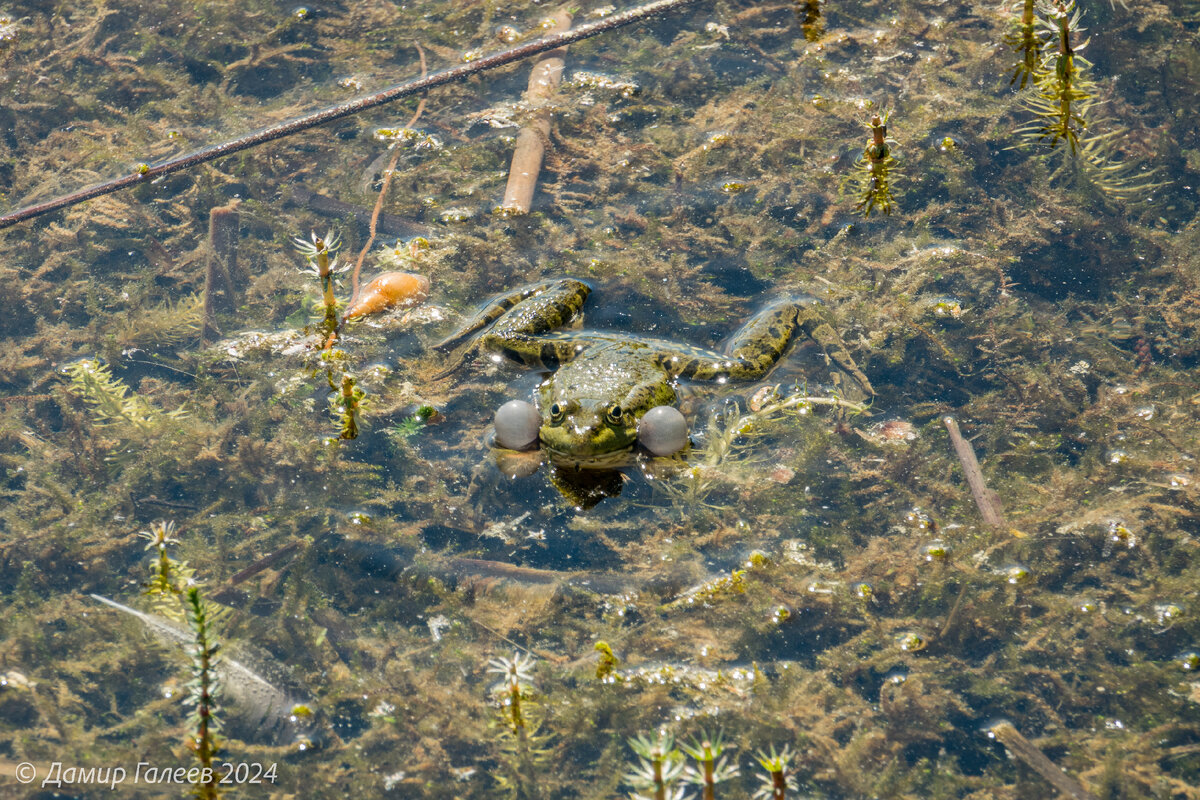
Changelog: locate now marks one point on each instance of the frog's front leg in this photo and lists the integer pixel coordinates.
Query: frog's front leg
(511, 321)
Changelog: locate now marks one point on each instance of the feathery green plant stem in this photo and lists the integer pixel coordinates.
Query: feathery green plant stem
(1026, 42)
(514, 707)
(1065, 71)
(1063, 88)
(203, 739)
(875, 167)
(351, 401)
(777, 780)
(326, 275)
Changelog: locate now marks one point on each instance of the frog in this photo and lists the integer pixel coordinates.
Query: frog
(601, 384)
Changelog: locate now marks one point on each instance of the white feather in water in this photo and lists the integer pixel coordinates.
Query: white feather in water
(258, 710)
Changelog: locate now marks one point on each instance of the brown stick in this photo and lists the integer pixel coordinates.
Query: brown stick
(987, 500)
(531, 141)
(249, 572)
(1036, 760)
(387, 181)
(219, 281)
(148, 172)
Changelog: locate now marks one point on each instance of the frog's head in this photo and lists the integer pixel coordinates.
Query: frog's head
(587, 434)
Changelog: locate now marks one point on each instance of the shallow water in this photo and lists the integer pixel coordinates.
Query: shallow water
(812, 576)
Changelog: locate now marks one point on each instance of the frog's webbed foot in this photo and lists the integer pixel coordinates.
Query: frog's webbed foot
(515, 317)
(812, 318)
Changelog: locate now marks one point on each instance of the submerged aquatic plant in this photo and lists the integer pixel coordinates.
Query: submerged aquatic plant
(874, 169)
(317, 251)
(659, 768)
(412, 424)
(1063, 91)
(1027, 43)
(809, 13)
(202, 695)
(778, 780)
(607, 663)
(729, 433)
(699, 596)
(111, 402)
(169, 577)
(347, 405)
(129, 423)
(259, 707)
(1061, 103)
(712, 764)
(522, 748)
(517, 681)
(168, 323)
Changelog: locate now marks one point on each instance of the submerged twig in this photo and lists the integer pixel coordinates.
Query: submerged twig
(219, 280)
(1036, 760)
(387, 181)
(531, 141)
(267, 561)
(148, 172)
(987, 500)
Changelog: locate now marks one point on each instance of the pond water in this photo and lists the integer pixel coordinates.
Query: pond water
(998, 224)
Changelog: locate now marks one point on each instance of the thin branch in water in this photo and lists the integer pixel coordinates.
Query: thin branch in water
(1035, 759)
(387, 181)
(987, 500)
(148, 172)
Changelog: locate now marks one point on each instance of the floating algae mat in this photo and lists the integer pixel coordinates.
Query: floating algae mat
(826, 428)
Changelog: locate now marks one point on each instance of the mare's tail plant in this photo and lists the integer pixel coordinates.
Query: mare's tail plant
(318, 251)
(874, 170)
(522, 748)
(1027, 42)
(175, 596)
(202, 693)
(1063, 91)
(778, 779)
(1062, 102)
(347, 398)
(712, 765)
(169, 578)
(659, 768)
(347, 404)
(809, 14)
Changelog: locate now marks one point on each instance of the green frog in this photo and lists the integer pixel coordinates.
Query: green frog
(602, 384)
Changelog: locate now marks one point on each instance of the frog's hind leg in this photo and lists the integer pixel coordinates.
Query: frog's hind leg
(539, 307)
(519, 314)
(760, 343)
(548, 351)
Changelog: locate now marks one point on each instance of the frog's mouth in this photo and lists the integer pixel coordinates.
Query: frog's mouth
(614, 459)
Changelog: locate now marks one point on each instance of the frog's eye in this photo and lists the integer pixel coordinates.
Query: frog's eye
(614, 414)
(557, 412)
